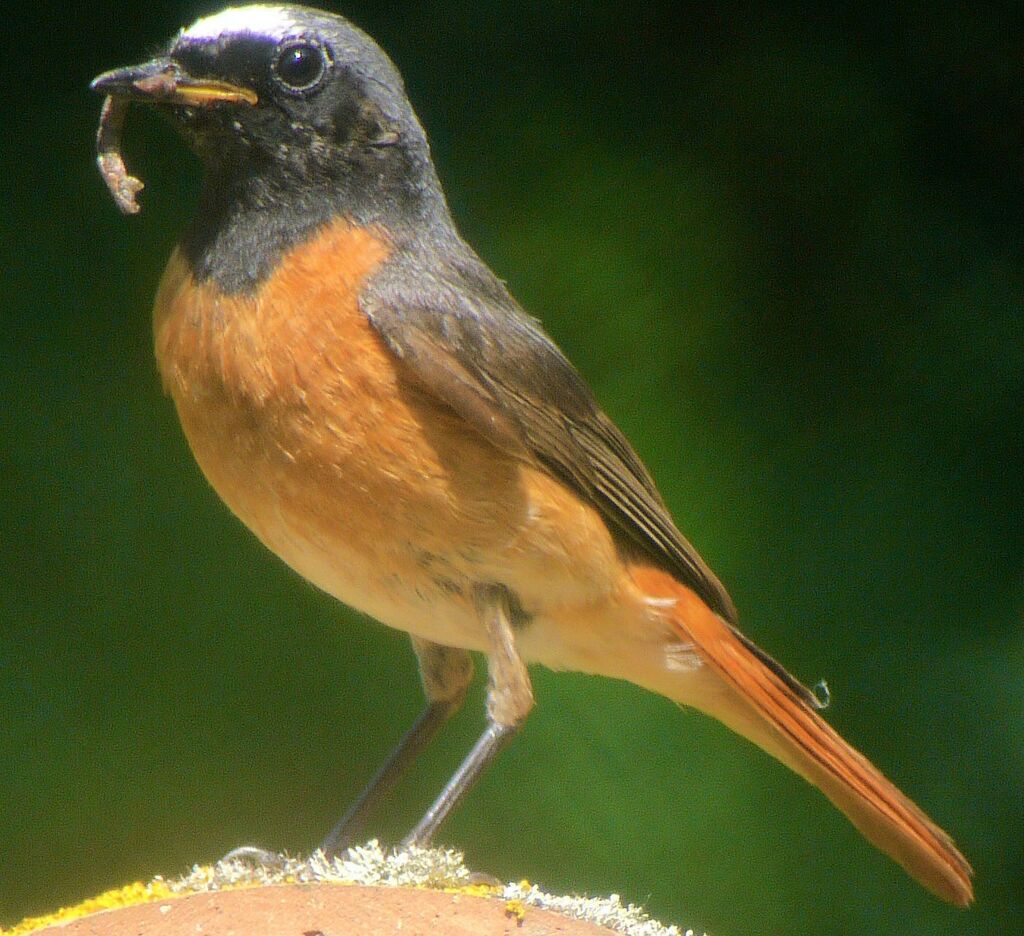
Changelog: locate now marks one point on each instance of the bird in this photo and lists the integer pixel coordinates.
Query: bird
(367, 397)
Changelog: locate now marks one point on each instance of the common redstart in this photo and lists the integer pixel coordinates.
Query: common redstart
(369, 399)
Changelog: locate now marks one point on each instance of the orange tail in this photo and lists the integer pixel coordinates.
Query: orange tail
(770, 708)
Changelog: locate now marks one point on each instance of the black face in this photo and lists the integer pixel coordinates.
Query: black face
(327, 98)
(300, 118)
(290, 69)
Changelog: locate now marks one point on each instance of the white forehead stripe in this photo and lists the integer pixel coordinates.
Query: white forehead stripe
(258, 19)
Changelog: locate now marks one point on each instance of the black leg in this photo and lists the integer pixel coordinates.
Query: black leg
(446, 673)
(490, 744)
(416, 739)
(509, 700)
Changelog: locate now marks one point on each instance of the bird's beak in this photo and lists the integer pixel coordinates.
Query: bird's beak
(162, 81)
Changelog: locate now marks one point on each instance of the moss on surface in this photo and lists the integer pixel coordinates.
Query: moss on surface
(369, 866)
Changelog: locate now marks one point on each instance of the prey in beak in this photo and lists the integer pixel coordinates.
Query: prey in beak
(160, 81)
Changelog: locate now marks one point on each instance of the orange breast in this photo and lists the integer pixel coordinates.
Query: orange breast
(322, 442)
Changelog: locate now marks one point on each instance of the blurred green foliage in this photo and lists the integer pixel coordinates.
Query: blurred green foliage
(786, 249)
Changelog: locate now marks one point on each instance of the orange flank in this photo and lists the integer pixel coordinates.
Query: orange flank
(331, 451)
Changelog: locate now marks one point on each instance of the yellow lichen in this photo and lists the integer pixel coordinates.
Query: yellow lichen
(470, 890)
(516, 908)
(127, 896)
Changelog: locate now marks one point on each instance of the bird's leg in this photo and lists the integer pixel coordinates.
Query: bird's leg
(446, 673)
(509, 700)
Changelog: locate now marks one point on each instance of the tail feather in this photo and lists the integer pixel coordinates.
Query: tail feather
(774, 711)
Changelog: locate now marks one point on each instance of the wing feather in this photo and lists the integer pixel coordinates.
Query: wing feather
(471, 345)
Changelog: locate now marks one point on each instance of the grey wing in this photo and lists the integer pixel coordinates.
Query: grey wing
(473, 347)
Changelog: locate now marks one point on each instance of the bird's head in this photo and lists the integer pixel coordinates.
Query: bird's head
(288, 95)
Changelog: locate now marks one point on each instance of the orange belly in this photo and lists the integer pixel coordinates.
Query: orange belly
(326, 447)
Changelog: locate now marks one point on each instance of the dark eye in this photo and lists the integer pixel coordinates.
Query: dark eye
(300, 66)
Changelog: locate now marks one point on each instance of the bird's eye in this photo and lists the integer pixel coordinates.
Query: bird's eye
(300, 65)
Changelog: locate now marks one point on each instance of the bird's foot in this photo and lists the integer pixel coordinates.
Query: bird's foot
(253, 855)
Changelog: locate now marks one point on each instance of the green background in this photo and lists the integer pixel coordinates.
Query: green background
(785, 248)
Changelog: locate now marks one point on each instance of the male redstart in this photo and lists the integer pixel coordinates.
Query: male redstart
(366, 396)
